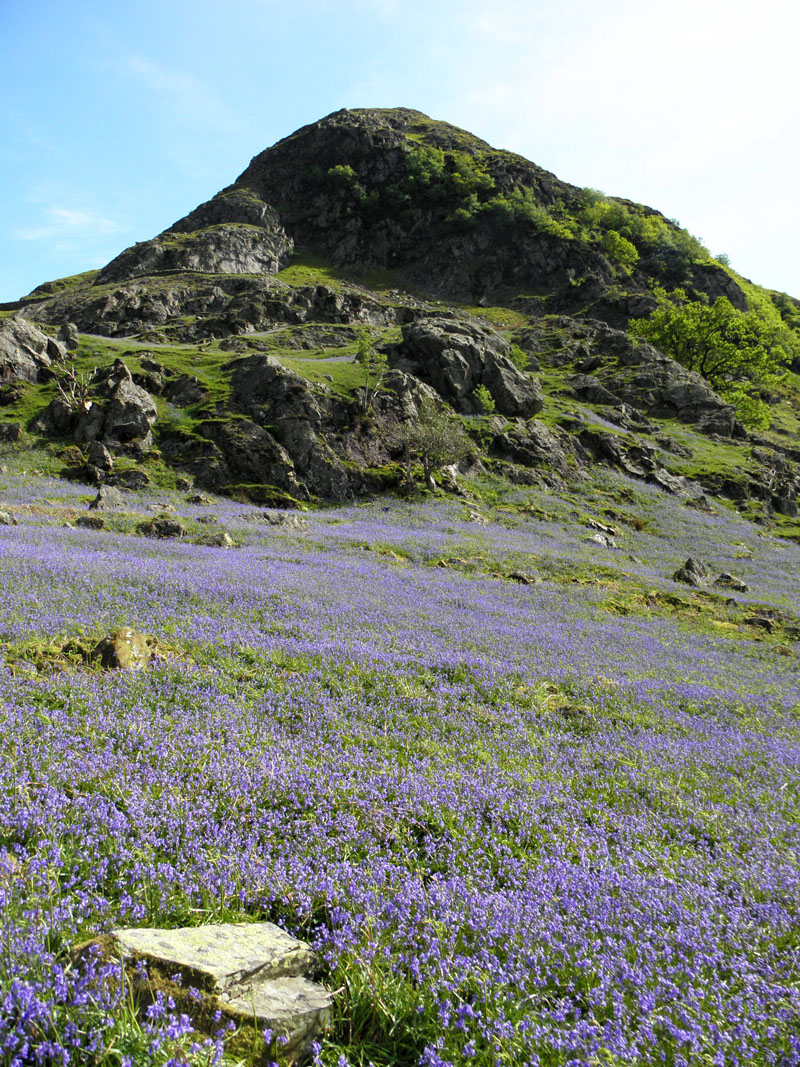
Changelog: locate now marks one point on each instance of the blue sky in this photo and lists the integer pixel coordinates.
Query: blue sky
(119, 116)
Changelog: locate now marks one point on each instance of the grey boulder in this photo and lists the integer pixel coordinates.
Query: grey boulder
(130, 413)
(532, 445)
(99, 456)
(68, 336)
(26, 353)
(455, 356)
(693, 572)
(254, 974)
(730, 581)
(696, 573)
(107, 499)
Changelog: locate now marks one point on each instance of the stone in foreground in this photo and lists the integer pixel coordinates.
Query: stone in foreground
(254, 973)
(124, 649)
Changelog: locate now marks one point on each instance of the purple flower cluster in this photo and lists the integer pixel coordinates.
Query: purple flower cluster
(518, 829)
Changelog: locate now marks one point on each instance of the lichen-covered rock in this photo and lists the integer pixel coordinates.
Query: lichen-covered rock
(251, 973)
(124, 649)
(274, 396)
(68, 336)
(532, 446)
(408, 391)
(602, 539)
(91, 522)
(132, 478)
(284, 519)
(218, 539)
(160, 526)
(226, 247)
(514, 392)
(130, 413)
(730, 581)
(10, 432)
(645, 378)
(251, 454)
(98, 455)
(592, 391)
(107, 499)
(183, 391)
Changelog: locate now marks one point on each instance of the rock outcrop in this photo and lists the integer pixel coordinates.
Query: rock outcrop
(533, 445)
(696, 573)
(115, 411)
(273, 396)
(618, 370)
(253, 974)
(228, 249)
(26, 352)
(455, 356)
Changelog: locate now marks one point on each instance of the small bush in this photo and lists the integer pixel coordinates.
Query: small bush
(484, 399)
(519, 357)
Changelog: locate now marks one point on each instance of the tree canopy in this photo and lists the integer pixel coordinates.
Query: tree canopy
(738, 352)
(436, 439)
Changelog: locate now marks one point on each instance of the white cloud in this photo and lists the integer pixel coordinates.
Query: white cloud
(60, 223)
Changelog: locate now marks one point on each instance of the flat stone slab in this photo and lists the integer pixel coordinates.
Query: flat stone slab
(254, 973)
(295, 1007)
(222, 957)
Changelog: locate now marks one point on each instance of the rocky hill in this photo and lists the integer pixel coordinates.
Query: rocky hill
(278, 341)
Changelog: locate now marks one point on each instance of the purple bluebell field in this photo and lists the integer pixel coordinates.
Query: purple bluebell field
(532, 801)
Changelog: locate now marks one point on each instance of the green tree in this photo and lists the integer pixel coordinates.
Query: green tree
(620, 250)
(739, 353)
(375, 365)
(436, 439)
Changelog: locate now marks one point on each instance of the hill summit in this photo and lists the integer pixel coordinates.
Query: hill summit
(394, 189)
(288, 332)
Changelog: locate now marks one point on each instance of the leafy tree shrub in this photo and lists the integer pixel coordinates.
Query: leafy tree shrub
(671, 250)
(375, 365)
(464, 215)
(597, 212)
(484, 398)
(345, 179)
(620, 250)
(519, 357)
(436, 439)
(456, 177)
(738, 352)
(520, 207)
(343, 176)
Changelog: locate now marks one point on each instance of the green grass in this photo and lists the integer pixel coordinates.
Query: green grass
(709, 457)
(502, 317)
(61, 285)
(346, 376)
(307, 268)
